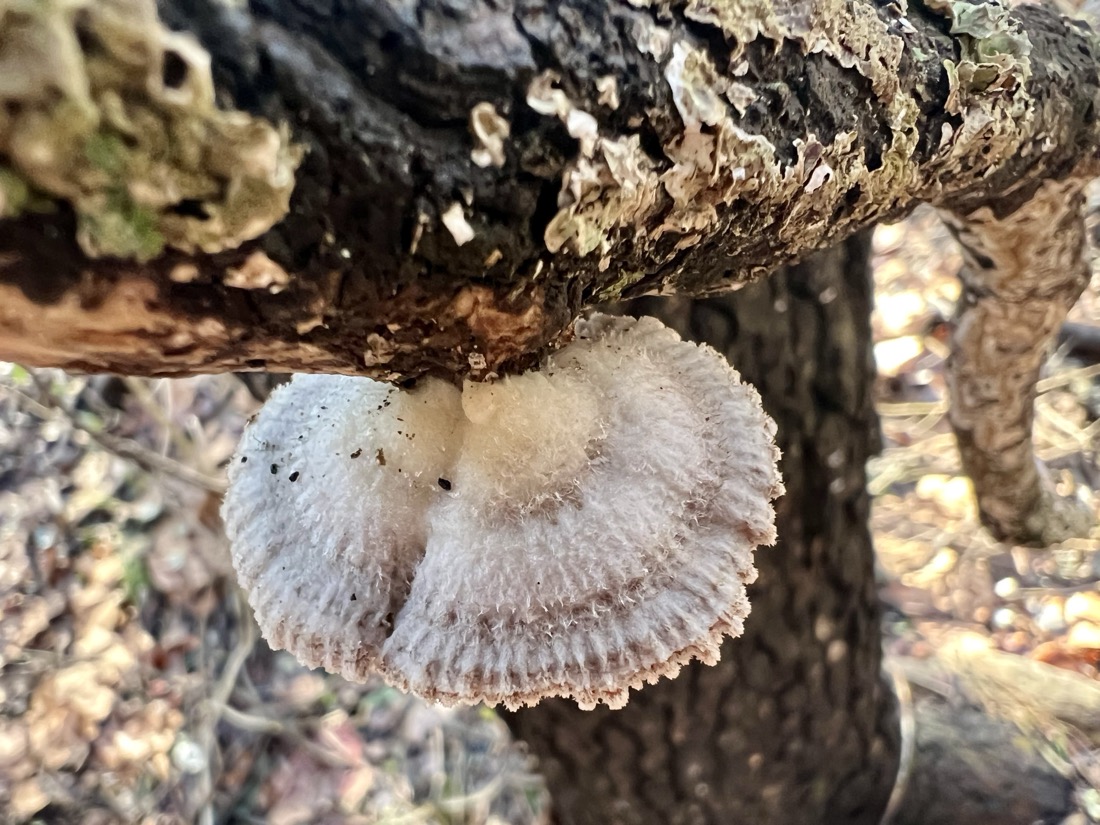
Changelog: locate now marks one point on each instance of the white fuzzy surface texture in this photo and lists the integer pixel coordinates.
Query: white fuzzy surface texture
(575, 531)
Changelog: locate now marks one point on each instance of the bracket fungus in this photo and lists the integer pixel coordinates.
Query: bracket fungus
(573, 531)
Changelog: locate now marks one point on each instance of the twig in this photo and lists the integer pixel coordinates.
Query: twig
(154, 409)
(237, 657)
(908, 731)
(1080, 338)
(217, 701)
(155, 462)
(460, 804)
(1067, 377)
(1058, 421)
(250, 722)
(420, 814)
(910, 409)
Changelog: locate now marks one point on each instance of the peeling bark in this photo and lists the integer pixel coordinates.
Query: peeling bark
(1022, 273)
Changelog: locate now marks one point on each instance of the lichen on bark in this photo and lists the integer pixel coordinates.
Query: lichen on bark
(712, 162)
(104, 108)
(712, 165)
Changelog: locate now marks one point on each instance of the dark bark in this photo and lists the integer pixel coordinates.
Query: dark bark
(840, 119)
(794, 725)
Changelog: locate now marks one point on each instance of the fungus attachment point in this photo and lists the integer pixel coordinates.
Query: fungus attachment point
(595, 531)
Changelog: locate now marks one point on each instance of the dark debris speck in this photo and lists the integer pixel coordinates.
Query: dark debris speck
(357, 453)
(445, 483)
(294, 476)
(274, 469)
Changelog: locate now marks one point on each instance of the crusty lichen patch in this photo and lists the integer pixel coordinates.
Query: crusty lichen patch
(103, 107)
(714, 162)
(490, 131)
(611, 183)
(614, 190)
(995, 50)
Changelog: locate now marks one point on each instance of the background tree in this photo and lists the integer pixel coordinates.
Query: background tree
(795, 724)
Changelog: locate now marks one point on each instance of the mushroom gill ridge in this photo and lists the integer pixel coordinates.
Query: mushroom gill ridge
(575, 531)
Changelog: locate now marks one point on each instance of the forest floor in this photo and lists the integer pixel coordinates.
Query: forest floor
(1013, 630)
(134, 687)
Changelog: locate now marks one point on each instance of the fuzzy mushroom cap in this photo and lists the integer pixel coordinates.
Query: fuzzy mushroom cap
(575, 531)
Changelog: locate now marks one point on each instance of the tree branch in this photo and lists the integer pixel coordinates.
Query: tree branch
(477, 173)
(1022, 274)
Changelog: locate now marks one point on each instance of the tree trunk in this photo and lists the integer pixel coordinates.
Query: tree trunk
(795, 724)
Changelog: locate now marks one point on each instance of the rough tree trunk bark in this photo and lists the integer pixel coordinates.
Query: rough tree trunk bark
(794, 725)
(1023, 272)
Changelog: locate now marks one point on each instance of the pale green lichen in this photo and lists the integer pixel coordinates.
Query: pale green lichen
(103, 107)
(995, 51)
(614, 291)
(987, 84)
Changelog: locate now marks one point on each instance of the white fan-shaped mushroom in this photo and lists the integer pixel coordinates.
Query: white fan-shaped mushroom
(575, 531)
